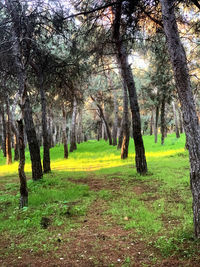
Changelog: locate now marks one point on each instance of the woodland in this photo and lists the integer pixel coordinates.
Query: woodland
(99, 133)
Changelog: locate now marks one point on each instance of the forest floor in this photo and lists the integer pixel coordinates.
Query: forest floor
(93, 209)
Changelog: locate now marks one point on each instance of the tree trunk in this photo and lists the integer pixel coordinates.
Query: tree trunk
(102, 130)
(102, 116)
(151, 123)
(125, 125)
(65, 134)
(32, 141)
(79, 128)
(127, 77)
(4, 131)
(24, 100)
(162, 119)
(156, 125)
(23, 184)
(106, 126)
(73, 127)
(120, 136)
(190, 119)
(45, 134)
(115, 119)
(16, 141)
(8, 136)
(175, 120)
(125, 144)
(105, 132)
(180, 120)
(16, 149)
(99, 130)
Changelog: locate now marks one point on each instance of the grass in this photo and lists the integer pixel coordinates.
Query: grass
(156, 207)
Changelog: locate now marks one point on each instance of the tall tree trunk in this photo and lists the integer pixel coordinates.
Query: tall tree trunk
(53, 139)
(162, 119)
(4, 131)
(151, 123)
(108, 133)
(115, 119)
(73, 127)
(125, 125)
(79, 128)
(65, 134)
(120, 139)
(180, 120)
(45, 134)
(8, 135)
(23, 184)
(16, 141)
(16, 148)
(102, 130)
(105, 132)
(190, 119)
(99, 130)
(175, 120)
(156, 125)
(127, 76)
(102, 116)
(24, 100)
(32, 141)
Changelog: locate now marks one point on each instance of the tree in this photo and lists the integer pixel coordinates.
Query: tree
(73, 145)
(127, 76)
(159, 86)
(184, 89)
(23, 184)
(20, 51)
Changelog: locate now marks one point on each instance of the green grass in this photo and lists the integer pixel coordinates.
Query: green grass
(156, 207)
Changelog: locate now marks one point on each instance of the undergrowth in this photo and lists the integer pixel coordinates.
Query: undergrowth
(156, 207)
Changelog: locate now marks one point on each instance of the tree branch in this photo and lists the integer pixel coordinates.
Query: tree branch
(93, 10)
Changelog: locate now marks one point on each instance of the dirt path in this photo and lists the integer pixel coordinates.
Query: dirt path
(99, 241)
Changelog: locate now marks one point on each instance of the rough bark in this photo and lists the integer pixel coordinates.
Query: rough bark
(151, 123)
(102, 130)
(22, 177)
(190, 118)
(115, 125)
(73, 127)
(125, 144)
(45, 134)
(16, 149)
(120, 136)
(175, 120)
(8, 136)
(79, 127)
(105, 132)
(4, 131)
(32, 141)
(156, 125)
(125, 125)
(127, 76)
(16, 141)
(99, 129)
(180, 121)
(162, 119)
(65, 134)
